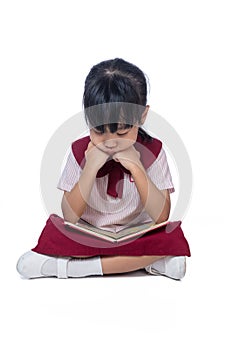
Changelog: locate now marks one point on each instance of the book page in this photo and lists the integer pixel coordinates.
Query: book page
(85, 227)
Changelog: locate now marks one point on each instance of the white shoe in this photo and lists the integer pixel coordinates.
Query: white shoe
(170, 266)
(30, 265)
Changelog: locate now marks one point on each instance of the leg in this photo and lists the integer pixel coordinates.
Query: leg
(34, 265)
(122, 264)
(170, 266)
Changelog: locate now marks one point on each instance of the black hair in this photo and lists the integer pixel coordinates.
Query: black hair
(115, 92)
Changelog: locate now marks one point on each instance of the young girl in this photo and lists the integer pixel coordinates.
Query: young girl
(131, 191)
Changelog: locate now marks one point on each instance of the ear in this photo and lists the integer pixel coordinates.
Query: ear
(144, 114)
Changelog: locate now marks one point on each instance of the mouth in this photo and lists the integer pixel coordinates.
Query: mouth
(110, 153)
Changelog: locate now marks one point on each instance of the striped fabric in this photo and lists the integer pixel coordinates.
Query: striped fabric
(110, 213)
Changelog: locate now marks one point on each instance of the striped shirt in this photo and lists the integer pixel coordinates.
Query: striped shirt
(107, 212)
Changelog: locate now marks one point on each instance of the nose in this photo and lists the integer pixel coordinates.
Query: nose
(110, 143)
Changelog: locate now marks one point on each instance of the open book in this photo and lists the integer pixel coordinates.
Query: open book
(125, 234)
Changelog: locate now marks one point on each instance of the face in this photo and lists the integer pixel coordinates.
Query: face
(118, 141)
(112, 143)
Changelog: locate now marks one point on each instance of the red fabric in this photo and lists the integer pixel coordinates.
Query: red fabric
(56, 240)
(149, 151)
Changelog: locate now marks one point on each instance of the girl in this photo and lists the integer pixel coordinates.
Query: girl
(115, 105)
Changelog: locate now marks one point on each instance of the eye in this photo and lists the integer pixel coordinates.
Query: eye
(98, 132)
(122, 134)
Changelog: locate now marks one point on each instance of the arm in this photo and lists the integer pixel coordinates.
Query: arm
(74, 202)
(156, 202)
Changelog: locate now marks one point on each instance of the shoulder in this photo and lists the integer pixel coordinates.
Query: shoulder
(80, 143)
(155, 146)
(79, 147)
(161, 158)
(149, 150)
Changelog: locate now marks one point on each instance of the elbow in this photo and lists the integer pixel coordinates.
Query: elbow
(162, 218)
(70, 218)
(164, 215)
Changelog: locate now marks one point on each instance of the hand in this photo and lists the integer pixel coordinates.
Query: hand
(129, 158)
(95, 158)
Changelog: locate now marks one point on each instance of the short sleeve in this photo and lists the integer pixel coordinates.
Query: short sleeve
(159, 173)
(70, 174)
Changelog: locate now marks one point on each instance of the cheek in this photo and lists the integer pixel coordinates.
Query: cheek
(125, 143)
(133, 135)
(95, 139)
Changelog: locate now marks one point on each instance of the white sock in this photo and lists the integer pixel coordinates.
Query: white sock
(159, 265)
(76, 267)
(84, 267)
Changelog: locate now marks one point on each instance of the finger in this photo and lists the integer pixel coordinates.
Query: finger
(114, 157)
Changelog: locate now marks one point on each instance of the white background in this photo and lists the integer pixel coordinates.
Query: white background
(47, 49)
